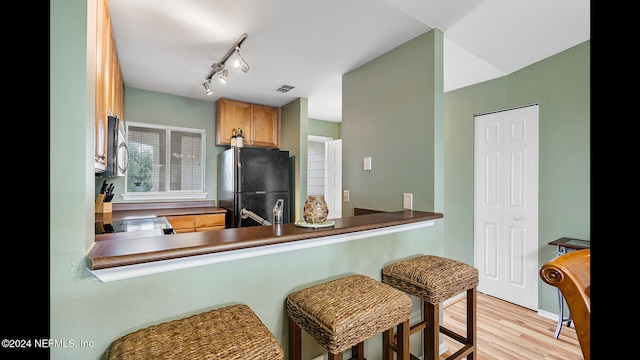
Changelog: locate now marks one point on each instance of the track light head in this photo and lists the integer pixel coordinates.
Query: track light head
(223, 76)
(239, 62)
(207, 87)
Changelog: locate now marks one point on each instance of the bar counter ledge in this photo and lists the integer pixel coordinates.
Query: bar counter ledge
(117, 259)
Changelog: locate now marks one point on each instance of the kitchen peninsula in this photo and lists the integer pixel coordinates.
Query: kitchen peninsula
(116, 259)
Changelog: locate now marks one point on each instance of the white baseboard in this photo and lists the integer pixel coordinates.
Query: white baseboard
(548, 315)
(443, 348)
(542, 313)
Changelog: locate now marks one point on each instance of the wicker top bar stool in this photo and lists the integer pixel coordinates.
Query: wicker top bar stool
(435, 279)
(343, 313)
(230, 333)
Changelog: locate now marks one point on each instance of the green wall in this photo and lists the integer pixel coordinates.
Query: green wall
(561, 85)
(394, 117)
(325, 128)
(294, 127)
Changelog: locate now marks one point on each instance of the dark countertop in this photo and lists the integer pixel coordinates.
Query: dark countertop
(576, 244)
(129, 251)
(153, 212)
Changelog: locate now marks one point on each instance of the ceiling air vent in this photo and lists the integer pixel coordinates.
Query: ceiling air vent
(285, 88)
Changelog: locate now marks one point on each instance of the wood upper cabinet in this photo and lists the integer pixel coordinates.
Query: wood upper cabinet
(200, 222)
(260, 124)
(109, 95)
(100, 161)
(266, 126)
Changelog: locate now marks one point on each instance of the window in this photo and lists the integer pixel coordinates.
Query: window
(165, 162)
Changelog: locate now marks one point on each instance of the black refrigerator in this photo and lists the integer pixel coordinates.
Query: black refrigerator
(252, 179)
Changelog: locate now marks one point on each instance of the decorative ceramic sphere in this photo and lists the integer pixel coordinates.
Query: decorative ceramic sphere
(315, 209)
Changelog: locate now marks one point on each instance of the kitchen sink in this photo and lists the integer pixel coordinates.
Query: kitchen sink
(128, 225)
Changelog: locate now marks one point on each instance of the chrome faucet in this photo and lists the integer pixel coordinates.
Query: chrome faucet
(277, 211)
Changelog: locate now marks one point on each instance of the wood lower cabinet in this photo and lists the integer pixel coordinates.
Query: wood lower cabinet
(260, 124)
(198, 222)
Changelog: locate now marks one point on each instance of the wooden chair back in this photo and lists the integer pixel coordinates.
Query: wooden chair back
(571, 273)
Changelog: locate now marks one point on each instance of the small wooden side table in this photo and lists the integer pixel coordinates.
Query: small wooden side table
(565, 245)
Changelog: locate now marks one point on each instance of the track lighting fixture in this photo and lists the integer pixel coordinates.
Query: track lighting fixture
(239, 63)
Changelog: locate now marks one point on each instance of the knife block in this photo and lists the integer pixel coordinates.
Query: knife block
(101, 206)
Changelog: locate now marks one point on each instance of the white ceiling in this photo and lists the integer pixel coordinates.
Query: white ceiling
(169, 46)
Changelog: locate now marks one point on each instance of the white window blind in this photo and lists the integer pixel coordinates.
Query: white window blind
(164, 161)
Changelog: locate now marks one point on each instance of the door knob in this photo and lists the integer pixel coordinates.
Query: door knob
(517, 218)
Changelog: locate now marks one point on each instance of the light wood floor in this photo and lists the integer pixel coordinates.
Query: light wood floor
(507, 331)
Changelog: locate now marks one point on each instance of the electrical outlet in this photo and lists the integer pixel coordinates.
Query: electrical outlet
(345, 196)
(407, 201)
(319, 357)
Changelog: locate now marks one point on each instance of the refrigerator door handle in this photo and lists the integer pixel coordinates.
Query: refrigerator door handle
(244, 213)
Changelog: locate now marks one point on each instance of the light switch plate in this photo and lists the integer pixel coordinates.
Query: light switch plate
(345, 196)
(407, 201)
(367, 163)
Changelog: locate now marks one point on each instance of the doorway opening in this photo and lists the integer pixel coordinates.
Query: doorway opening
(324, 171)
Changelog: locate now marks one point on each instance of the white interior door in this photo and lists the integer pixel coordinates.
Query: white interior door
(506, 204)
